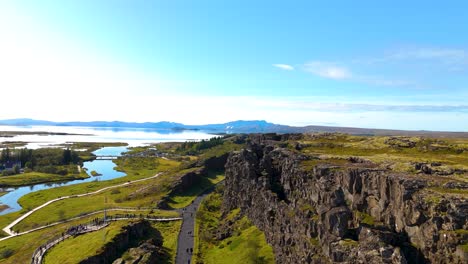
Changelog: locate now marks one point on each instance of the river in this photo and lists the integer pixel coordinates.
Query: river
(104, 167)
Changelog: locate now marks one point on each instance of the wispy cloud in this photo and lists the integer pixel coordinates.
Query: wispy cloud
(328, 70)
(380, 81)
(442, 54)
(444, 58)
(336, 71)
(386, 70)
(312, 105)
(286, 67)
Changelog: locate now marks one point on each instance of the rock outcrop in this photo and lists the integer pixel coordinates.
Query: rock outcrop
(149, 252)
(348, 214)
(126, 239)
(188, 179)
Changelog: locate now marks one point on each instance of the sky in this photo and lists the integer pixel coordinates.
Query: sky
(373, 64)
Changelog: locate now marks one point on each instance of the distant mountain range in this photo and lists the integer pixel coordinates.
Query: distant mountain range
(240, 126)
(255, 126)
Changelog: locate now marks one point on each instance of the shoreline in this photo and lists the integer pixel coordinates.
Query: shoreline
(3, 207)
(58, 180)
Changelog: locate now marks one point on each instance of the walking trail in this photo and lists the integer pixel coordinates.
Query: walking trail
(187, 231)
(12, 233)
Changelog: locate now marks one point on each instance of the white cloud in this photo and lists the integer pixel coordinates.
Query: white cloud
(328, 70)
(336, 71)
(284, 67)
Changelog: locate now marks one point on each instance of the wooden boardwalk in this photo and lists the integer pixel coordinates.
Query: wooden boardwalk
(40, 252)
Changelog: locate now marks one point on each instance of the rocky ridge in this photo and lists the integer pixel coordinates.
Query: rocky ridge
(347, 214)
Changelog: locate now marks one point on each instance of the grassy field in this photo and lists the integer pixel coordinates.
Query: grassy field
(74, 250)
(34, 199)
(78, 248)
(180, 200)
(136, 194)
(170, 233)
(31, 178)
(22, 247)
(396, 153)
(246, 244)
(128, 196)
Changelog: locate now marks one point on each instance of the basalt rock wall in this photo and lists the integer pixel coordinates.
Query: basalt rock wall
(114, 248)
(340, 214)
(187, 180)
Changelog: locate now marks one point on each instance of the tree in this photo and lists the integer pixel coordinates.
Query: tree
(5, 155)
(67, 156)
(16, 169)
(28, 165)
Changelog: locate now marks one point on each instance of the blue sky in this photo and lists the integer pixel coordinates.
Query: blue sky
(401, 64)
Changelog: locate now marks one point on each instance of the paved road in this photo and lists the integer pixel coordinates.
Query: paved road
(11, 233)
(187, 231)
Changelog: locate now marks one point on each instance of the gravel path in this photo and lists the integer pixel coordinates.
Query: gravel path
(11, 233)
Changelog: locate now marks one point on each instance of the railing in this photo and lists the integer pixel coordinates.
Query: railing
(94, 225)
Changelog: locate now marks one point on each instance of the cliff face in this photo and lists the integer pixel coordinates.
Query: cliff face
(186, 180)
(120, 243)
(354, 214)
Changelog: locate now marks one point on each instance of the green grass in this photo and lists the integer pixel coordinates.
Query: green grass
(31, 178)
(464, 247)
(170, 233)
(145, 193)
(247, 246)
(95, 173)
(220, 150)
(73, 250)
(34, 199)
(398, 154)
(349, 243)
(180, 200)
(314, 241)
(247, 243)
(449, 191)
(23, 246)
(365, 218)
(141, 194)
(78, 248)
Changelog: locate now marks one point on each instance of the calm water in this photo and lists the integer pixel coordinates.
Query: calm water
(134, 137)
(104, 167)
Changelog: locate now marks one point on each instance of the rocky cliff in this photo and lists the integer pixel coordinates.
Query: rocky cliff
(353, 213)
(150, 251)
(187, 180)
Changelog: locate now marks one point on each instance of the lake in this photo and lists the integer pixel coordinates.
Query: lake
(133, 137)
